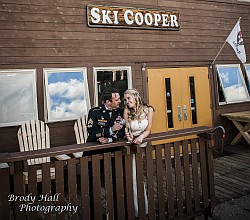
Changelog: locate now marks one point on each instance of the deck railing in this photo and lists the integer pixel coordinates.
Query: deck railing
(177, 178)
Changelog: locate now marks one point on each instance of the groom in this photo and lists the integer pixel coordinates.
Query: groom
(105, 126)
(105, 122)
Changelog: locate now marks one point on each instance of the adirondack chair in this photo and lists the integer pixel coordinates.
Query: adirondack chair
(3, 165)
(34, 135)
(81, 133)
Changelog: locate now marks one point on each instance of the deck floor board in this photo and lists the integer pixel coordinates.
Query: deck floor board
(232, 173)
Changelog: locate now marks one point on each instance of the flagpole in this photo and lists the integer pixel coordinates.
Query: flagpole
(222, 46)
(219, 52)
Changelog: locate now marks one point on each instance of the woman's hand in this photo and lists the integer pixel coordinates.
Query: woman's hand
(138, 140)
(128, 135)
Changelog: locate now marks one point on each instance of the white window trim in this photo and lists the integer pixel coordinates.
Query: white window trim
(243, 81)
(35, 110)
(243, 0)
(47, 115)
(247, 74)
(117, 68)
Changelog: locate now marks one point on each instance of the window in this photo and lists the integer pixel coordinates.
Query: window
(169, 102)
(247, 68)
(17, 96)
(232, 84)
(67, 93)
(193, 100)
(118, 77)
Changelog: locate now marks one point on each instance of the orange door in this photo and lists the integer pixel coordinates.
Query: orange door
(181, 98)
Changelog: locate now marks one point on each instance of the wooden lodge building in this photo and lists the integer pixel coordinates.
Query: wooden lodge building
(57, 57)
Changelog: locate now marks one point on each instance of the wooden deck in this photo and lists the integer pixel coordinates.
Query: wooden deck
(232, 173)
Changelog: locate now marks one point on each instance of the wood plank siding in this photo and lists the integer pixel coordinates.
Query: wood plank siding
(54, 34)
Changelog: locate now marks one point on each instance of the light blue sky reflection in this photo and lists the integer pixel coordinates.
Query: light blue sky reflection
(16, 97)
(66, 95)
(232, 83)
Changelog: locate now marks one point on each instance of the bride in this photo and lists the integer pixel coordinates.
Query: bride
(138, 116)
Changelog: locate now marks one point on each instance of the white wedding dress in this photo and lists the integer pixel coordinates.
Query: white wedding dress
(137, 127)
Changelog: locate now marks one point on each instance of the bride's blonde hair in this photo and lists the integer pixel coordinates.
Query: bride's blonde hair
(140, 105)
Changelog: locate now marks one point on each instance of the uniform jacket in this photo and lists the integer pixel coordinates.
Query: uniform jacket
(99, 123)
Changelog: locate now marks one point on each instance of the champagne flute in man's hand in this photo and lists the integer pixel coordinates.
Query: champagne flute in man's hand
(118, 123)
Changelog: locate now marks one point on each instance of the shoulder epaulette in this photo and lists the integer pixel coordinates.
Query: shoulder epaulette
(96, 108)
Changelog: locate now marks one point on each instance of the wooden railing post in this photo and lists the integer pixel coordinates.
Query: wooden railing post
(5, 208)
(19, 190)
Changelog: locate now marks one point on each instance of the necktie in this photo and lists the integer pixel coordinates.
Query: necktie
(110, 112)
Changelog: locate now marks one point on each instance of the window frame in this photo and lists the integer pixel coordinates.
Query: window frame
(112, 68)
(247, 76)
(242, 80)
(47, 112)
(34, 90)
(247, 1)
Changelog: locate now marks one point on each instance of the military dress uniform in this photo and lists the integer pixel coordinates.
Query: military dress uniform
(100, 121)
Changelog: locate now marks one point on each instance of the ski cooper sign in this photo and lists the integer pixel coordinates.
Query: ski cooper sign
(126, 17)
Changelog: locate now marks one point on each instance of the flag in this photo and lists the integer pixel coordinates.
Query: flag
(235, 39)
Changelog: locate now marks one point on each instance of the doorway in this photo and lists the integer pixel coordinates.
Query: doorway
(181, 98)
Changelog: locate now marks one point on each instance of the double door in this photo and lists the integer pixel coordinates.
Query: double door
(181, 98)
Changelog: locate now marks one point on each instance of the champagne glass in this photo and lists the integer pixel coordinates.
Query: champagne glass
(121, 121)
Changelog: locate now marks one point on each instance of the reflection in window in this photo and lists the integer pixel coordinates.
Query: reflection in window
(17, 96)
(117, 77)
(247, 68)
(169, 102)
(67, 94)
(232, 83)
(193, 99)
(220, 91)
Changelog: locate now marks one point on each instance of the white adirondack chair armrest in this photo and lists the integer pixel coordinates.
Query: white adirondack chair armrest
(62, 157)
(3, 165)
(78, 154)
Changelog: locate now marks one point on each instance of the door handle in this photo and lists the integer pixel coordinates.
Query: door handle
(185, 112)
(179, 113)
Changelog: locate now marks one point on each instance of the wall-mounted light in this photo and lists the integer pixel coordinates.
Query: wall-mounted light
(143, 66)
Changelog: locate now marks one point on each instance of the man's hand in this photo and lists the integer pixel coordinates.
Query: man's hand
(103, 140)
(116, 127)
